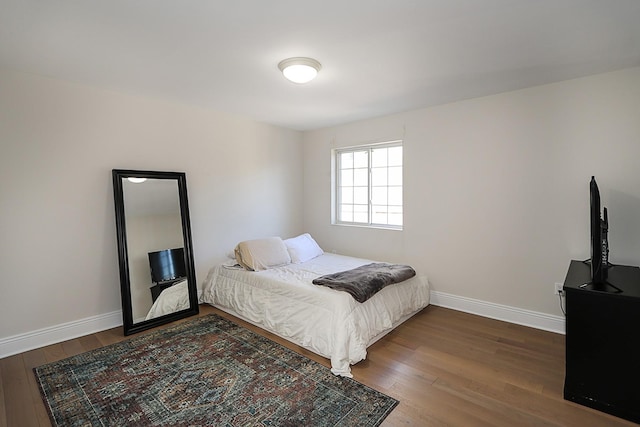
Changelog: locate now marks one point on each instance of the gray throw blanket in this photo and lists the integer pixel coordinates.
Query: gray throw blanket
(363, 282)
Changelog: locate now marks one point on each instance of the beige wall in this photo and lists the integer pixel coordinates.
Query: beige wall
(58, 144)
(497, 188)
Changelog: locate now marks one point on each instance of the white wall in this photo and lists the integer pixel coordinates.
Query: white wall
(496, 189)
(58, 144)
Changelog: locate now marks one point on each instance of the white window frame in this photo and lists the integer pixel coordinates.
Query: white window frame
(336, 188)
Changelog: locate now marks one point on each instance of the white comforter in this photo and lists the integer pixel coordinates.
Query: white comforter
(328, 322)
(170, 300)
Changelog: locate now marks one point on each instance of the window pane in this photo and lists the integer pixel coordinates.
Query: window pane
(346, 213)
(395, 196)
(395, 215)
(346, 195)
(360, 159)
(379, 214)
(395, 156)
(361, 195)
(370, 185)
(379, 157)
(379, 176)
(395, 175)
(361, 214)
(346, 160)
(346, 178)
(361, 177)
(379, 195)
(395, 219)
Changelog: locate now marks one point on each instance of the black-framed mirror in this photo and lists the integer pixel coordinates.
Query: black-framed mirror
(157, 274)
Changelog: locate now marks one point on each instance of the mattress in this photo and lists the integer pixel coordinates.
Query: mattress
(327, 322)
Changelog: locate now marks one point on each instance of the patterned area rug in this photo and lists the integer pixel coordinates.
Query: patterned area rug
(205, 372)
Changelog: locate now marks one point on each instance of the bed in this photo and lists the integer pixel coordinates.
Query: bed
(279, 296)
(170, 300)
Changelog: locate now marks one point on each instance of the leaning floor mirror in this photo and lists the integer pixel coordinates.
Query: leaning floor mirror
(157, 275)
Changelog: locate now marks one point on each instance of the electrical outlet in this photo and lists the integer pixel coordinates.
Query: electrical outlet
(557, 288)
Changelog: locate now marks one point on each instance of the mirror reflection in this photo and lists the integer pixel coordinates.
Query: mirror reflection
(156, 266)
(155, 243)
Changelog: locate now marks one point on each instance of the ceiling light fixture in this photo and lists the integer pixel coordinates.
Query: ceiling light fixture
(136, 180)
(299, 70)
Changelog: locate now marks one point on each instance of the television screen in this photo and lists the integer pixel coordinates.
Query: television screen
(167, 265)
(598, 269)
(599, 245)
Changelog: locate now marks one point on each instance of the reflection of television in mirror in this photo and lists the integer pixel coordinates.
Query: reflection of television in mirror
(167, 265)
(599, 244)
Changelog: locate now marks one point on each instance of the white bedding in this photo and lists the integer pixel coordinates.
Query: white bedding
(328, 322)
(170, 300)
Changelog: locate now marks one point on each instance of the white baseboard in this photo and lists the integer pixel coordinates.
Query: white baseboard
(58, 333)
(506, 313)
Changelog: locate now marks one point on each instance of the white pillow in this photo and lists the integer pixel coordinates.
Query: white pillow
(261, 254)
(302, 248)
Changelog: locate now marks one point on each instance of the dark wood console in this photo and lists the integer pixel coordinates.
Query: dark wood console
(603, 341)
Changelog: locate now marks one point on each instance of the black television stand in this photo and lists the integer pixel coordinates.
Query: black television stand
(604, 286)
(601, 287)
(603, 341)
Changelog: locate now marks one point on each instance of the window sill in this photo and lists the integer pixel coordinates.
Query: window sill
(375, 227)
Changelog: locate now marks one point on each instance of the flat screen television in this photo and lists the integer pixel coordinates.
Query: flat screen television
(167, 265)
(599, 256)
(599, 243)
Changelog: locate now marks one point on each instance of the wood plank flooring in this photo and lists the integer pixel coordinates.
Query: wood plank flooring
(447, 368)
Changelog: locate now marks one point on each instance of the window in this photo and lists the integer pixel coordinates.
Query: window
(368, 187)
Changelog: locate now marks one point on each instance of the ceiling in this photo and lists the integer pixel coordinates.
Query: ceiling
(379, 56)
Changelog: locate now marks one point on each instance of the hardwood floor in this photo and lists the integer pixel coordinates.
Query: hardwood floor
(447, 368)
